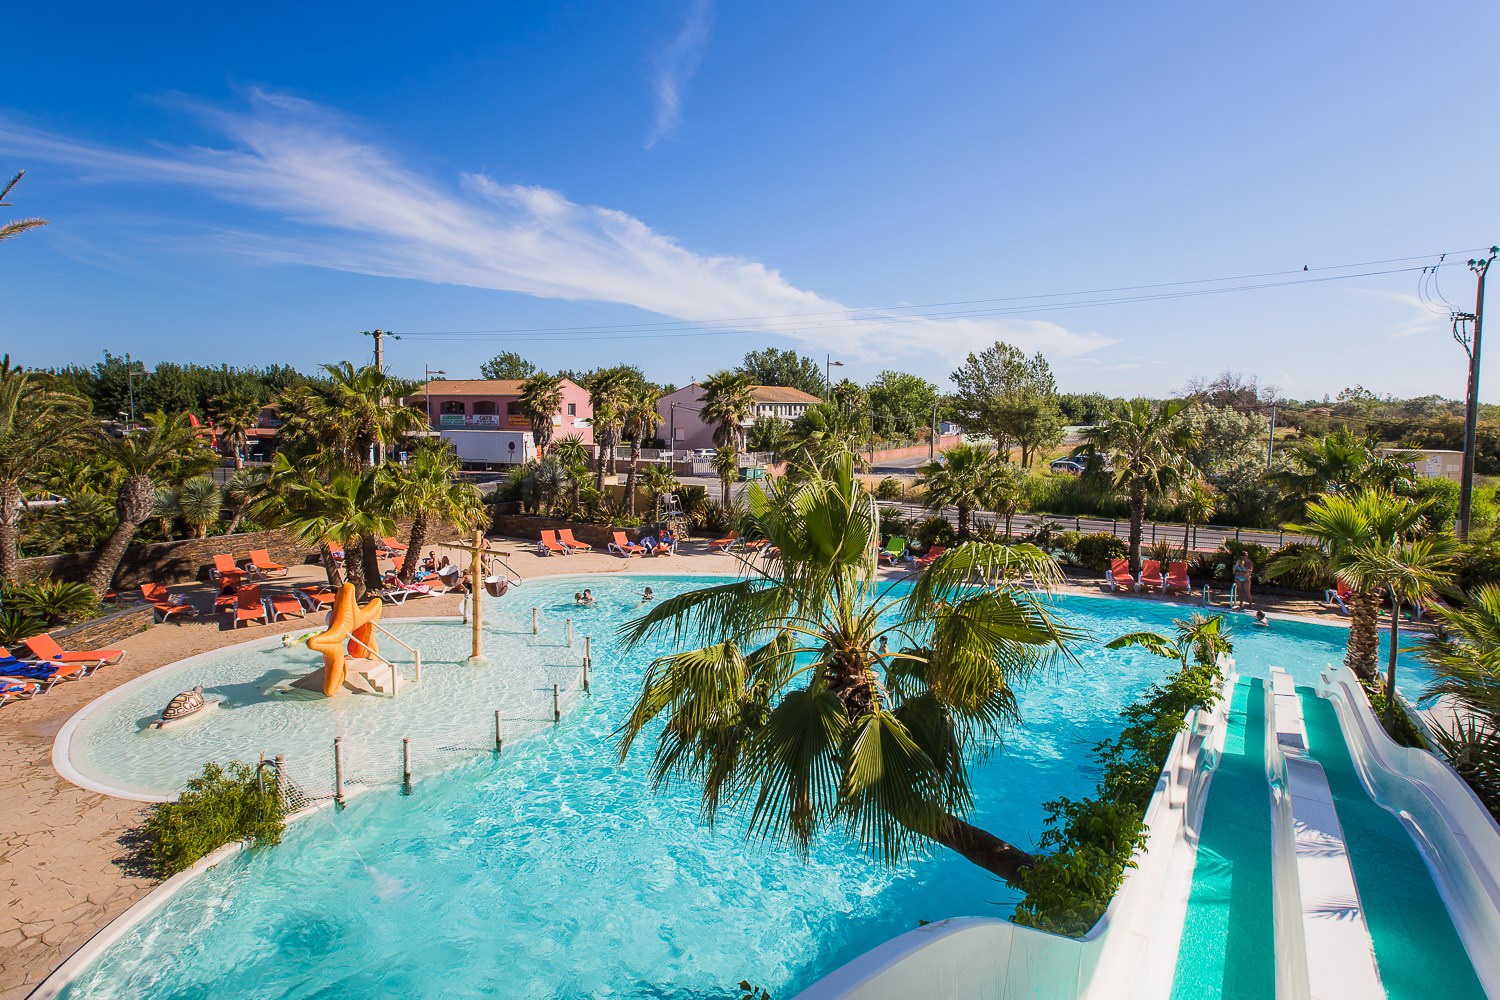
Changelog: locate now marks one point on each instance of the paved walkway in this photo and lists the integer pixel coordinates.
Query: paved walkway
(64, 872)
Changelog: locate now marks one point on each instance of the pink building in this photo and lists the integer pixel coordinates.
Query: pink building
(685, 429)
(484, 420)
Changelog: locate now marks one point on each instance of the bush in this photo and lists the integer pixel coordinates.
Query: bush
(893, 522)
(221, 805)
(1067, 541)
(15, 626)
(1096, 549)
(1478, 564)
(54, 602)
(1162, 552)
(1313, 580)
(935, 531)
(889, 488)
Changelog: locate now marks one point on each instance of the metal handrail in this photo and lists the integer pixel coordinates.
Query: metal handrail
(375, 653)
(416, 654)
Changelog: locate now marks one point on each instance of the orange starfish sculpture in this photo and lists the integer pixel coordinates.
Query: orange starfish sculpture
(350, 627)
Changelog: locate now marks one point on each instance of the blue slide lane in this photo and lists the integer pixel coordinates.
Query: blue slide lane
(1417, 950)
(1228, 938)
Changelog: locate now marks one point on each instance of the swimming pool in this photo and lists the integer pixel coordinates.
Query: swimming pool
(554, 871)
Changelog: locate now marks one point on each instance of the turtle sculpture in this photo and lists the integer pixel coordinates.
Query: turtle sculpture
(183, 707)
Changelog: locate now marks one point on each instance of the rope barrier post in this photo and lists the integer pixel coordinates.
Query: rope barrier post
(534, 621)
(556, 706)
(585, 675)
(570, 632)
(260, 785)
(406, 764)
(281, 779)
(417, 654)
(499, 739)
(338, 770)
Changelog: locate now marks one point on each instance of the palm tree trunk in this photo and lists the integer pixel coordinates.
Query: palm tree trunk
(354, 568)
(1390, 664)
(983, 848)
(599, 470)
(107, 560)
(1137, 518)
(963, 522)
(330, 565)
(1364, 636)
(414, 545)
(10, 524)
(635, 468)
(370, 559)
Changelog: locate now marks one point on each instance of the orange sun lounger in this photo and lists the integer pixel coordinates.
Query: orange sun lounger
(1150, 575)
(1119, 577)
(549, 544)
(623, 545)
(248, 606)
(44, 647)
(260, 559)
(565, 535)
(155, 594)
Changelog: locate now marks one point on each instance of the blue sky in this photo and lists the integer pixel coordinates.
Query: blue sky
(254, 188)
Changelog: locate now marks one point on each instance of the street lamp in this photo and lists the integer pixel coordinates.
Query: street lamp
(427, 388)
(828, 365)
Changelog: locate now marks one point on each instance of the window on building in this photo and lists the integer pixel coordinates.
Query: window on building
(452, 406)
(572, 409)
(513, 408)
(486, 406)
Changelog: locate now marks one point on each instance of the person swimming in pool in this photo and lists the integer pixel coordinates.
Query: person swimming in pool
(647, 596)
(1262, 620)
(588, 596)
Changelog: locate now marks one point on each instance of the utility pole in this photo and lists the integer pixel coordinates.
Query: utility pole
(828, 366)
(1471, 410)
(932, 438)
(379, 352)
(1271, 438)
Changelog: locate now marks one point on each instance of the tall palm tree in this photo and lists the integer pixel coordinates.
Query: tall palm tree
(726, 465)
(573, 455)
(1410, 571)
(345, 511)
(1008, 496)
(234, 415)
(1345, 527)
(16, 226)
(427, 493)
(1340, 462)
(787, 705)
(640, 420)
(349, 418)
(608, 399)
(163, 444)
(245, 487)
(966, 479)
(38, 423)
(541, 398)
(1465, 654)
(825, 431)
(1142, 450)
(727, 403)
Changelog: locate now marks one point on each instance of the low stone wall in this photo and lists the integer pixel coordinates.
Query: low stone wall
(170, 562)
(529, 527)
(107, 631)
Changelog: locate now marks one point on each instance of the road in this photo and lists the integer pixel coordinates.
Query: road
(1203, 537)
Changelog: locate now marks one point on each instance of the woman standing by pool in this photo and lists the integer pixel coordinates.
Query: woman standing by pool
(1244, 575)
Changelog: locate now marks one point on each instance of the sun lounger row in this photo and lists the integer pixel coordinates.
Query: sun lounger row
(260, 564)
(48, 665)
(560, 542)
(1119, 578)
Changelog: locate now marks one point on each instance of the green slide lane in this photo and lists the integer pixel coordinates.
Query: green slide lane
(1417, 949)
(1228, 940)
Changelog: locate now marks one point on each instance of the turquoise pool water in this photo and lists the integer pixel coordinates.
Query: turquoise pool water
(554, 871)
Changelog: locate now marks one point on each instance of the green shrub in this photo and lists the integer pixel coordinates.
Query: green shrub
(1162, 552)
(1090, 843)
(55, 602)
(1478, 564)
(1067, 541)
(16, 626)
(1096, 549)
(889, 488)
(1304, 577)
(893, 522)
(935, 531)
(221, 805)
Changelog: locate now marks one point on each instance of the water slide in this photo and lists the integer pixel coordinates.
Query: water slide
(1295, 853)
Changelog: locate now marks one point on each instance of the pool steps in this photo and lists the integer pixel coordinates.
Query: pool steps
(1323, 945)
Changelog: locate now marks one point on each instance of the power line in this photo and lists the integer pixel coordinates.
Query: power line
(672, 329)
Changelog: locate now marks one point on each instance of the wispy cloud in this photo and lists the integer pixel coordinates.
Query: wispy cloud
(332, 199)
(676, 64)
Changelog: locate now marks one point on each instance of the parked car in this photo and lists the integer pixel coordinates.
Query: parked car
(1072, 466)
(704, 453)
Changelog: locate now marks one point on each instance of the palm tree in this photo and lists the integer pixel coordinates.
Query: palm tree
(640, 420)
(163, 444)
(234, 415)
(608, 395)
(200, 501)
(427, 492)
(164, 510)
(1345, 526)
(966, 478)
(1197, 502)
(573, 455)
(727, 403)
(659, 480)
(345, 511)
(1466, 657)
(726, 465)
(541, 398)
(16, 226)
(825, 431)
(349, 418)
(1410, 571)
(38, 423)
(1340, 462)
(1200, 639)
(245, 487)
(1142, 449)
(786, 705)
(1008, 496)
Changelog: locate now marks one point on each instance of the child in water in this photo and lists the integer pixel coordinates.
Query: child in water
(647, 596)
